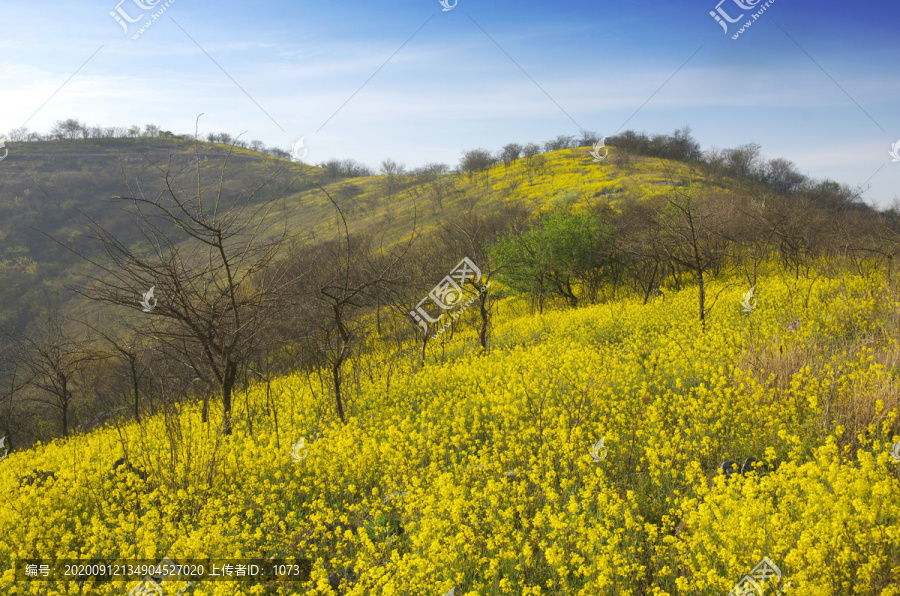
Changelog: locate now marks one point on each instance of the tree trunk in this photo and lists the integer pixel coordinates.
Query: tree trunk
(650, 285)
(378, 315)
(702, 298)
(227, 389)
(482, 335)
(424, 344)
(65, 407)
(338, 402)
(134, 387)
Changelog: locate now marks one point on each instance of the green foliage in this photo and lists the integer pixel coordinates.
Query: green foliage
(558, 254)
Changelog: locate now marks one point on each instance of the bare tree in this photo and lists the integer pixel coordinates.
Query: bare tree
(796, 224)
(389, 167)
(472, 235)
(715, 160)
(692, 237)
(510, 153)
(207, 250)
(18, 134)
(743, 161)
(133, 354)
(13, 376)
(886, 234)
(560, 142)
(638, 243)
(531, 149)
(475, 161)
(69, 129)
(588, 138)
(392, 172)
(782, 174)
(752, 232)
(343, 280)
(53, 358)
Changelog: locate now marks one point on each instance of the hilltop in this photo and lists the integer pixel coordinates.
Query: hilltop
(52, 189)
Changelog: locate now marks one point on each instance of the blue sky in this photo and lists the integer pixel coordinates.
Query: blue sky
(815, 82)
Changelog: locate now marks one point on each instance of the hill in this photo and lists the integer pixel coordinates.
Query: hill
(655, 374)
(581, 455)
(52, 190)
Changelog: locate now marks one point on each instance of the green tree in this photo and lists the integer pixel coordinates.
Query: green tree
(567, 254)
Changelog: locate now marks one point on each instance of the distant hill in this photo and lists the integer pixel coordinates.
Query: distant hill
(50, 189)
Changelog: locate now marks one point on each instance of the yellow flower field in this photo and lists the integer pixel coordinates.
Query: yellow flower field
(475, 471)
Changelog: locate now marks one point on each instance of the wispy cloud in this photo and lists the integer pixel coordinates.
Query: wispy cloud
(452, 88)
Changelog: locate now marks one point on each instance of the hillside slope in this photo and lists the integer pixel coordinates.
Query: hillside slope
(50, 190)
(476, 471)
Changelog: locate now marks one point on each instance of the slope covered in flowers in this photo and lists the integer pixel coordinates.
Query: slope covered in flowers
(474, 471)
(539, 182)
